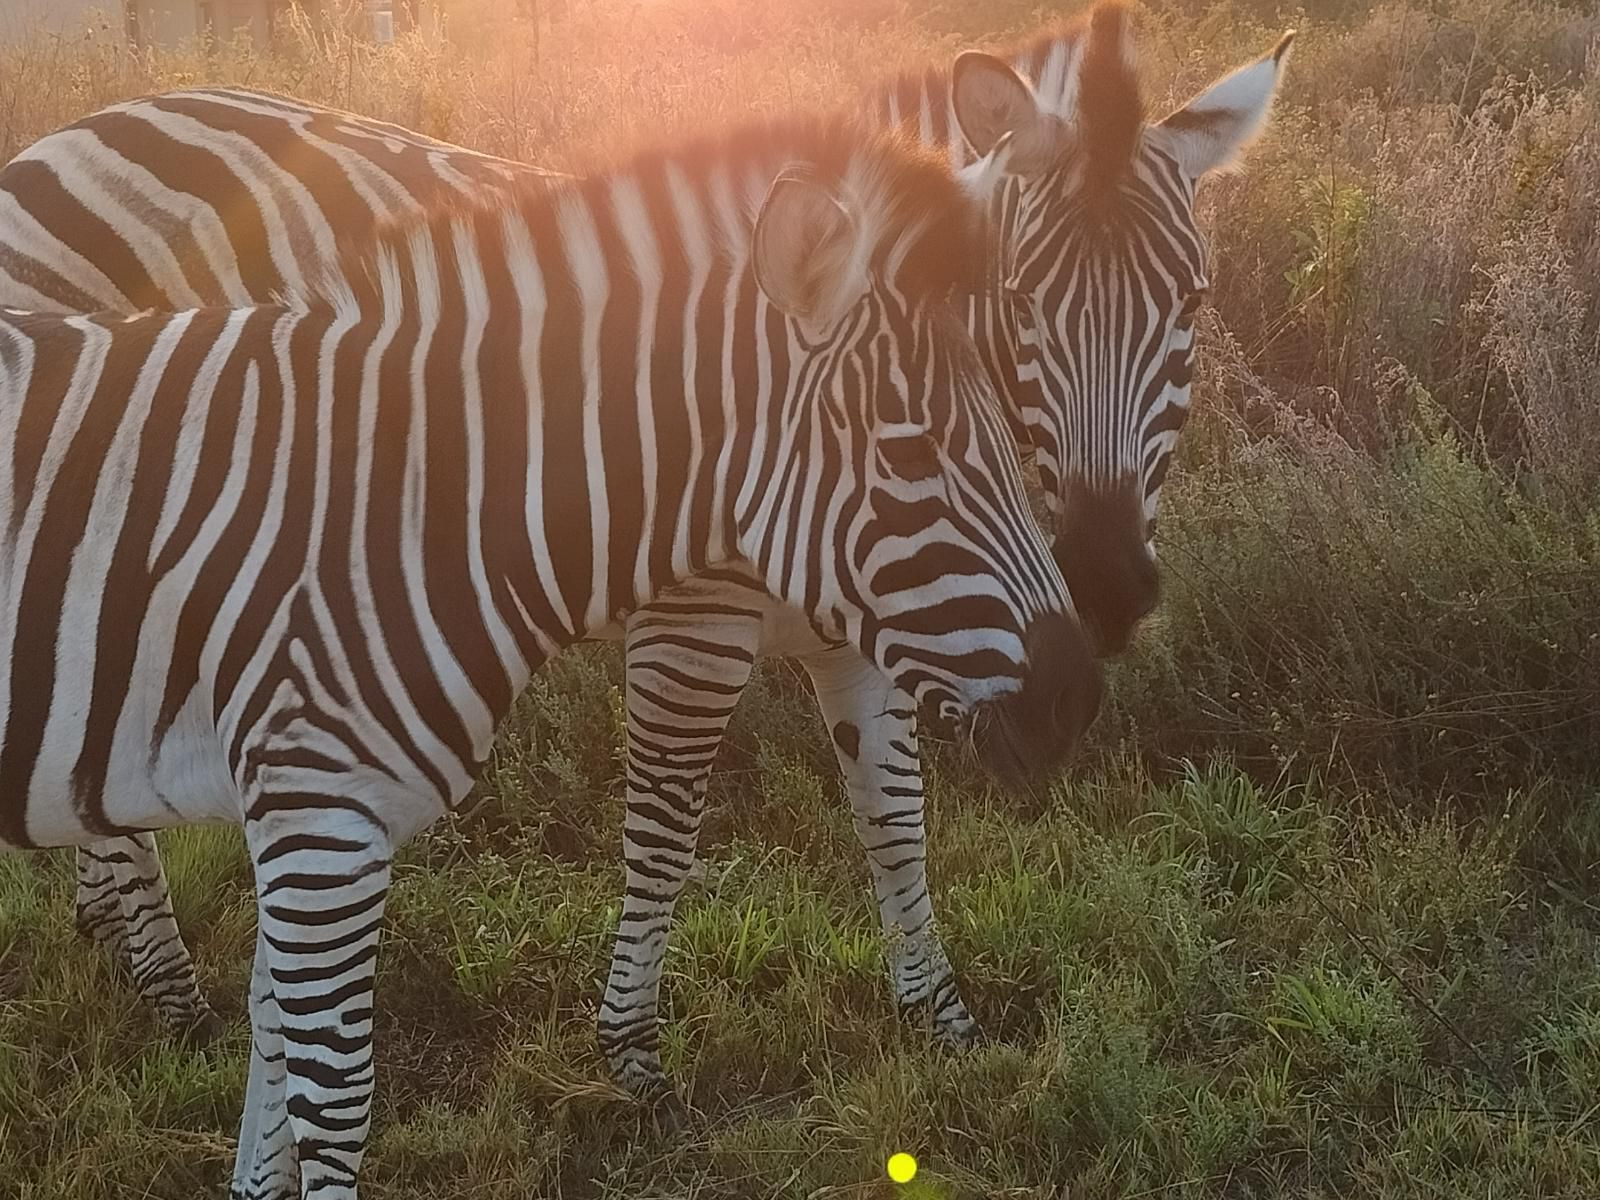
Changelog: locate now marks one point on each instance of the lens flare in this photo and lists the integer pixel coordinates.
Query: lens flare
(902, 1168)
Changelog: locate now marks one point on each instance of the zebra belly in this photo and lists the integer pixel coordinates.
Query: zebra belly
(80, 789)
(785, 631)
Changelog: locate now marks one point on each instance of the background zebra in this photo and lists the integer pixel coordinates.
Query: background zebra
(1094, 274)
(201, 197)
(290, 565)
(212, 196)
(1095, 213)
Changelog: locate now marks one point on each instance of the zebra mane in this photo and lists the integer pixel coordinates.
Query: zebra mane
(1081, 72)
(922, 226)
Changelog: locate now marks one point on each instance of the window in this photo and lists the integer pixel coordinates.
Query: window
(382, 24)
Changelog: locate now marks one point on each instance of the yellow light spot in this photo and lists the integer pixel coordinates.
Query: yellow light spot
(902, 1168)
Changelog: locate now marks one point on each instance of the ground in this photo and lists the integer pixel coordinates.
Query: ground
(1199, 987)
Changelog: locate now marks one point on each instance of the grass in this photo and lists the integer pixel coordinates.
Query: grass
(1195, 987)
(1318, 913)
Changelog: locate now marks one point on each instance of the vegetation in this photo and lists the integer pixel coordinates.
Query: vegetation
(1319, 912)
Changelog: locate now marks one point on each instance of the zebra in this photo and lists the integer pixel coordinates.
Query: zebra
(209, 196)
(204, 196)
(287, 566)
(1067, 106)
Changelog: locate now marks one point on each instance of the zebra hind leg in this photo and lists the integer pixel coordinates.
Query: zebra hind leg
(125, 904)
(682, 685)
(323, 866)
(97, 909)
(875, 740)
(266, 1166)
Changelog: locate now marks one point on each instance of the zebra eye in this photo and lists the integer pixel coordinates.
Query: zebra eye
(913, 457)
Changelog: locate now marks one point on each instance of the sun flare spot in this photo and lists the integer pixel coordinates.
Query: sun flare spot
(902, 1168)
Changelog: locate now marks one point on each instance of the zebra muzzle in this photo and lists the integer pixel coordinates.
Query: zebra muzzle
(1033, 731)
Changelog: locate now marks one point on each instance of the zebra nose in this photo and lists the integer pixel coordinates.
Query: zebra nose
(1104, 555)
(1034, 729)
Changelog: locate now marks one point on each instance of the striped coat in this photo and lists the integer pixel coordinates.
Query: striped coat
(1082, 174)
(289, 565)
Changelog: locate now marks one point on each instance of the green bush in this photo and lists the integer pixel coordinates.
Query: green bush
(1412, 616)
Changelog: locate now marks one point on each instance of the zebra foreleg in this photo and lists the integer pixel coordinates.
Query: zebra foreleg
(265, 1167)
(875, 739)
(124, 903)
(322, 876)
(682, 685)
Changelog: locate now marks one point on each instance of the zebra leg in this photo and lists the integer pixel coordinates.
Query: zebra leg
(322, 867)
(97, 908)
(683, 680)
(125, 904)
(875, 739)
(265, 1167)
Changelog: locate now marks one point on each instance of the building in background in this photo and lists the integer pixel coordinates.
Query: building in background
(21, 18)
(172, 22)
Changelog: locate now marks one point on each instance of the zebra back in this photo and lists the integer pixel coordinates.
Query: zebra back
(212, 196)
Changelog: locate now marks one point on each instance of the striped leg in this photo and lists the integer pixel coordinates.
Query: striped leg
(265, 1166)
(124, 904)
(322, 875)
(97, 908)
(875, 738)
(677, 713)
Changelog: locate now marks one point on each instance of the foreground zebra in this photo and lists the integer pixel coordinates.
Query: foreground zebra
(1095, 272)
(289, 565)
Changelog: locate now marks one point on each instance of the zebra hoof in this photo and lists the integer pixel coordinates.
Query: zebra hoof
(202, 1031)
(669, 1112)
(958, 1033)
(954, 1030)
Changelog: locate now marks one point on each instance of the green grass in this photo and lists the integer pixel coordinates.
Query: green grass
(1201, 987)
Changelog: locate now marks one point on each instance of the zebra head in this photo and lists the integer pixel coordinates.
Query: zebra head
(889, 503)
(1097, 273)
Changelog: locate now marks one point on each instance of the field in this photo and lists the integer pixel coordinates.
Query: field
(1316, 914)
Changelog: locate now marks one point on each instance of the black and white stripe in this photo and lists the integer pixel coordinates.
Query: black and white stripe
(289, 565)
(202, 197)
(212, 196)
(1084, 225)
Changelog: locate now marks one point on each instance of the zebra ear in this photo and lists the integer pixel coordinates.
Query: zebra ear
(993, 103)
(804, 252)
(1211, 131)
